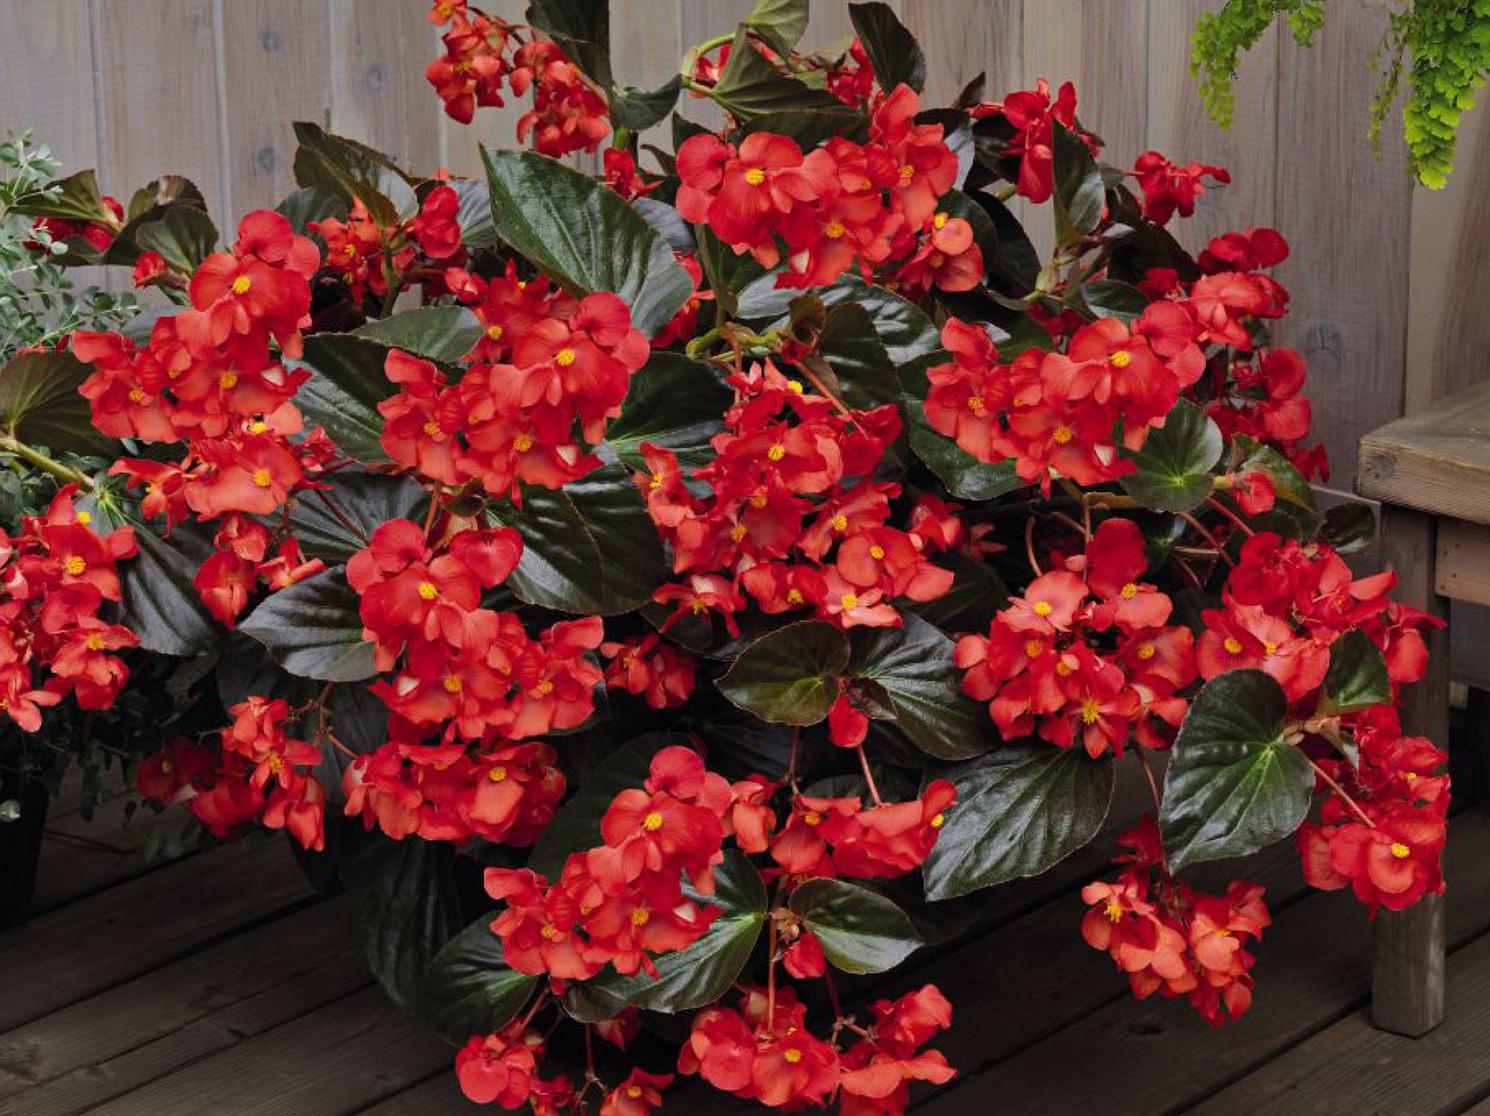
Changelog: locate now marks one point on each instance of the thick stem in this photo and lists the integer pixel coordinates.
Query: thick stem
(9, 443)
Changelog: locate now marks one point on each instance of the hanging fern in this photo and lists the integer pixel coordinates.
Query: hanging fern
(1443, 46)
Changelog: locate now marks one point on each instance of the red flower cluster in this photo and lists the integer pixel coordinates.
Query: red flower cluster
(502, 1069)
(764, 1052)
(1087, 653)
(58, 575)
(839, 837)
(1058, 411)
(1172, 939)
(623, 902)
(840, 203)
(1385, 841)
(794, 517)
(648, 667)
(504, 423)
(1168, 187)
(568, 112)
(261, 775)
(851, 78)
(97, 234)
(370, 258)
(1033, 115)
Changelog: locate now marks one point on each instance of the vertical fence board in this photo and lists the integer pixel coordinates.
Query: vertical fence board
(1103, 48)
(56, 99)
(274, 73)
(157, 95)
(378, 92)
(1347, 216)
(460, 144)
(965, 38)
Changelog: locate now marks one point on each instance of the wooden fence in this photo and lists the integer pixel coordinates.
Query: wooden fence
(1388, 284)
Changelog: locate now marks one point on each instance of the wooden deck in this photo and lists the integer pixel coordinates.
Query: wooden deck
(220, 984)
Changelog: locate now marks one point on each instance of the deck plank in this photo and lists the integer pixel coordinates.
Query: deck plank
(330, 1062)
(83, 948)
(1313, 967)
(436, 1097)
(83, 857)
(130, 1035)
(1352, 1067)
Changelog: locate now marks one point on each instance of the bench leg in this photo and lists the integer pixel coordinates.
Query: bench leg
(1407, 978)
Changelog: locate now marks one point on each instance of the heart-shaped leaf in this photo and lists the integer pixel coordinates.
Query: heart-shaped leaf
(1357, 678)
(893, 51)
(584, 235)
(40, 404)
(789, 676)
(693, 977)
(588, 547)
(675, 403)
(336, 523)
(183, 235)
(314, 629)
(1233, 785)
(1174, 465)
(344, 393)
(1020, 810)
(1112, 298)
(468, 988)
(444, 333)
(861, 931)
(307, 204)
(914, 675)
(906, 330)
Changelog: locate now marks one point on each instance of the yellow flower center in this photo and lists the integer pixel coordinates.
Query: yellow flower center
(1400, 851)
(938, 821)
(794, 596)
(1269, 647)
(1410, 776)
(755, 176)
(834, 229)
(776, 452)
(1120, 359)
(656, 482)
(242, 284)
(1233, 645)
(1145, 651)
(812, 817)
(792, 1056)
(652, 822)
(1064, 669)
(136, 395)
(939, 221)
(94, 642)
(84, 518)
(634, 1091)
(1129, 591)
(228, 380)
(497, 774)
(452, 683)
(258, 426)
(431, 428)
(1113, 911)
(522, 443)
(876, 552)
(75, 566)
(263, 478)
(1090, 711)
(976, 405)
(840, 522)
(1033, 649)
(544, 688)
(428, 590)
(849, 601)
(1042, 608)
(907, 172)
(794, 386)
(1061, 435)
(640, 917)
(166, 767)
(564, 358)
(494, 332)
(549, 932)
(757, 500)
(737, 532)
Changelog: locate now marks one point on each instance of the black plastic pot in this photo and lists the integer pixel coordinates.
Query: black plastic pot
(20, 845)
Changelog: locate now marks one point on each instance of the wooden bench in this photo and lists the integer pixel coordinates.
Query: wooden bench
(1431, 472)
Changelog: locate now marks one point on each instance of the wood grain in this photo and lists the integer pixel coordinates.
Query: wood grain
(57, 98)
(1436, 460)
(1462, 569)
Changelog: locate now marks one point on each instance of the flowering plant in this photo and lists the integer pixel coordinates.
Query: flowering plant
(727, 563)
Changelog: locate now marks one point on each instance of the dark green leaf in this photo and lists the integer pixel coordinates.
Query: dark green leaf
(664, 218)
(40, 404)
(705, 971)
(789, 676)
(965, 476)
(811, 127)
(751, 86)
(906, 330)
(161, 605)
(976, 594)
(726, 273)
(468, 988)
(675, 403)
(1349, 527)
(74, 198)
(589, 547)
(861, 931)
(367, 500)
(1233, 785)
(1078, 190)
(1015, 260)
(183, 235)
(168, 189)
(893, 51)
(314, 629)
(409, 910)
(344, 394)
(584, 235)
(474, 214)
(1357, 678)
(353, 172)
(308, 204)
(914, 670)
(780, 22)
(582, 29)
(1020, 810)
(443, 333)
(639, 109)
(858, 358)
(1289, 484)
(1111, 298)
(1174, 465)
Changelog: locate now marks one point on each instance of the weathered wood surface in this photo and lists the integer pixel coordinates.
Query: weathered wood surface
(1437, 460)
(1462, 569)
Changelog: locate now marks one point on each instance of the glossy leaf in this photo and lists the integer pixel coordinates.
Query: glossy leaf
(639, 109)
(965, 476)
(468, 988)
(584, 235)
(914, 671)
(790, 675)
(74, 198)
(161, 605)
(40, 404)
(1288, 483)
(1112, 298)
(308, 204)
(751, 86)
(1349, 527)
(861, 931)
(366, 500)
(442, 333)
(1174, 465)
(183, 235)
(675, 403)
(353, 172)
(582, 29)
(344, 394)
(1020, 810)
(1357, 678)
(780, 22)
(1078, 190)
(1233, 785)
(409, 910)
(976, 594)
(906, 330)
(857, 358)
(313, 629)
(588, 548)
(893, 50)
(666, 221)
(811, 127)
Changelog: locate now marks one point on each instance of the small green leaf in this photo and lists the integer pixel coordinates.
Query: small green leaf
(1234, 784)
(468, 988)
(893, 50)
(74, 198)
(861, 931)
(1020, 810)
(780, 22)
(589, 547)
(307, 204)
(584, 235)
(40, 404)
(1175, 463)
(314, 629)
(810, 127)
(442, 333)
(1112, 298)
(913, 670)
(639, 109)
(752, 86)
(789, 676)
(183, 235)
(1078, 190)
(1357, 678)
(675, 403)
